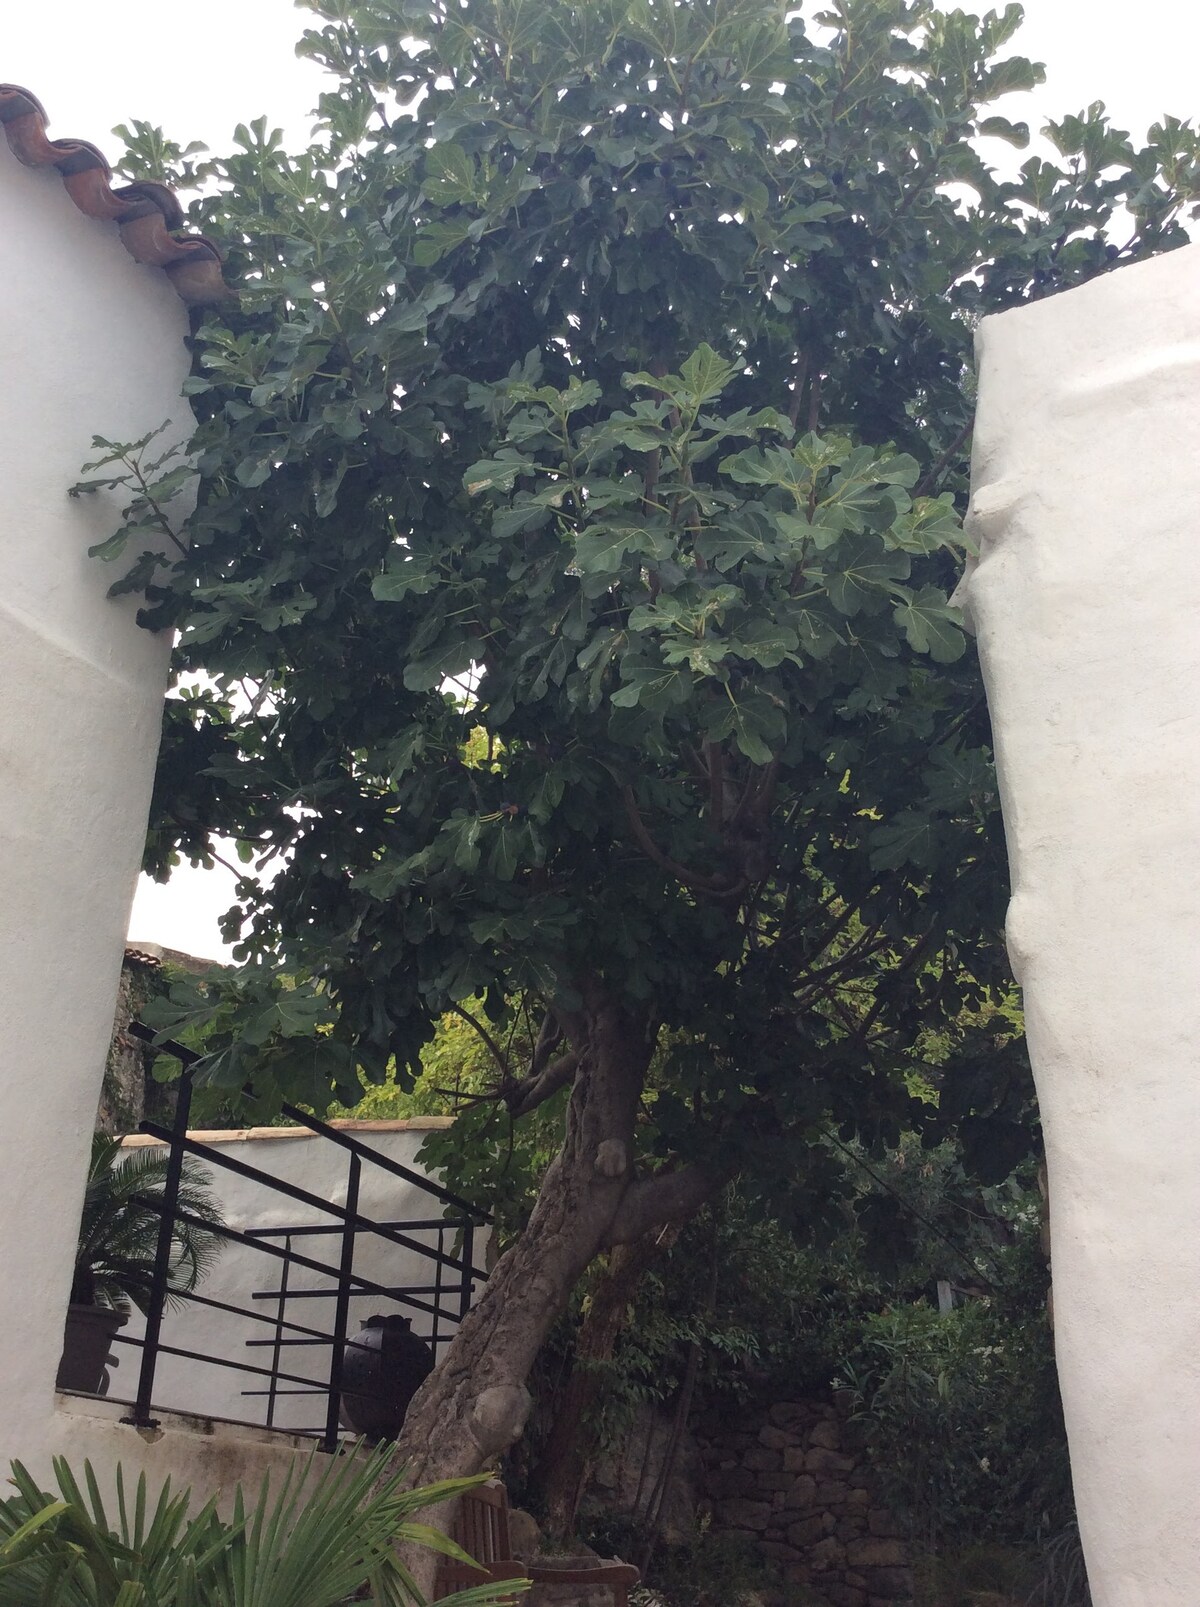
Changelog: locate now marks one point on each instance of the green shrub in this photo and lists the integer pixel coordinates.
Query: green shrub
(961, 1416)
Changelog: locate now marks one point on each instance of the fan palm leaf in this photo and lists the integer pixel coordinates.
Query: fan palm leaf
(119, 1227)
(326, 1535)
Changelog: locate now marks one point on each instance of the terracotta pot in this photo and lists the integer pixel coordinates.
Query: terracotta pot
(87, 1340)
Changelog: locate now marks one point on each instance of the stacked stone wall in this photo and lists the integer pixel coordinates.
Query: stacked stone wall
(792, 1479)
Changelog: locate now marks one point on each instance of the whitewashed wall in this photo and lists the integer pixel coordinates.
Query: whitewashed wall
(297, 1156)
(1086, 600)
(90, 342)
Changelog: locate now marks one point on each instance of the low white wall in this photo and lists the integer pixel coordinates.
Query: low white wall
(197, 1454)
(294, 1155)
(1086, 600)
(90, 342)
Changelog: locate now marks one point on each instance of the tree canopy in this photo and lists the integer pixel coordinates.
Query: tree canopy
(581, 465)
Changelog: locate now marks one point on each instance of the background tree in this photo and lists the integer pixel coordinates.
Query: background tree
(572, 559)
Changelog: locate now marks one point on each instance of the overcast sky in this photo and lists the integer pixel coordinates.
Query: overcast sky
(197, 70)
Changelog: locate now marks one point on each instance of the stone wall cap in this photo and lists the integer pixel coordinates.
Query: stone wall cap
(348, 1124)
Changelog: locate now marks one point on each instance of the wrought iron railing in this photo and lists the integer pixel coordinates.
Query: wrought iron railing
(445, 1243)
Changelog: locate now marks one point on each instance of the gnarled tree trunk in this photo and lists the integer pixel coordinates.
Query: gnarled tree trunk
(566, 1460)
(475, 1404)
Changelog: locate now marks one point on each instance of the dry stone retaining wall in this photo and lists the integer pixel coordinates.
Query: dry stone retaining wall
(792, 1480)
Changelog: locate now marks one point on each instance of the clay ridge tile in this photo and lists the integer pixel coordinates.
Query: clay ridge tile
(147, 215)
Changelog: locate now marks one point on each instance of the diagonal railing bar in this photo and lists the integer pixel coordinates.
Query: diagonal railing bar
(278, 1185)
(188, 1058)
(362, 1285)
(236, 1366)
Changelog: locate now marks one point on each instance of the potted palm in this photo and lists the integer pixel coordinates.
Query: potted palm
(118, 1239)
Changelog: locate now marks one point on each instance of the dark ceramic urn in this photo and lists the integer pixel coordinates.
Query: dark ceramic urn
(383, 1366)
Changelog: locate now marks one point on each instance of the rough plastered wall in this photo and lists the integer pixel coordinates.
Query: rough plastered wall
(1086, 600)
(90, 342)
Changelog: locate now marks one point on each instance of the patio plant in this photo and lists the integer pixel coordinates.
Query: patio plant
(326, 1536)
(118, 1242)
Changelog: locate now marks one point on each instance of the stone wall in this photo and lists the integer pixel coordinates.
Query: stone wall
(792, 1480)
(130, 1094)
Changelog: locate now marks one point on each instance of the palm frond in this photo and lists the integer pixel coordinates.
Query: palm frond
(119, 1227)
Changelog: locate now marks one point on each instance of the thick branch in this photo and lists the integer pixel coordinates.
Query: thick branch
(716, 783)
(798, 385)
(757, 793)
(814, 403)
(699, 884)
(548, 1039)
(666, 1197)
(530, 1092)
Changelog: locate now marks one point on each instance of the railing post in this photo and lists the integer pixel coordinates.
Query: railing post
(278, 1345)
(435, 1334)
(468, 1255)
(341, 1314)
(162, 1255)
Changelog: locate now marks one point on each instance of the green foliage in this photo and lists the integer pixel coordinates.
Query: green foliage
(455, 1064)
(961, 1414)
(326, 1536)
(977, 1576)
(118, 1231)
(777, 1310)
(486, 1155)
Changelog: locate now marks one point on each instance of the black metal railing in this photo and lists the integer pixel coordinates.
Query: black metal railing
(445, 1243)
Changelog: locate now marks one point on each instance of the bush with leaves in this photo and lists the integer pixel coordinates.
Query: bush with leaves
(960, 1413)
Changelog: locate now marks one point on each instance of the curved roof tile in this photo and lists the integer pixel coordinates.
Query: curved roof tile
(147, 215)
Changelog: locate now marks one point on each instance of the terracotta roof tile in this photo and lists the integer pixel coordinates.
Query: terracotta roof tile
(147, 215)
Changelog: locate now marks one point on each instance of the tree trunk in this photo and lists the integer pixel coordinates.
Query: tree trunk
(566, 1459)
(475, 1403)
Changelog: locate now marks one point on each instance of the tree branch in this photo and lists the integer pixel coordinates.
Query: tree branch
(716, 783)
(666, 1197)
(814, 403)
(526, 1095)
(801, 381)
(498, 1054)
(931, 479)
(917, 952)
(699, 884)
(548, 1039)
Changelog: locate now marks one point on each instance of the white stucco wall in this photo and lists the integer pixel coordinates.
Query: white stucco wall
(296, 1156)
(90, 342)
(1086, 600)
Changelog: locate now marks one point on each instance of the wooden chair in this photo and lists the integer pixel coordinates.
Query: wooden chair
(481, 1529)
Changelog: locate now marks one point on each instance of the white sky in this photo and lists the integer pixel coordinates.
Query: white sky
(197, 70)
